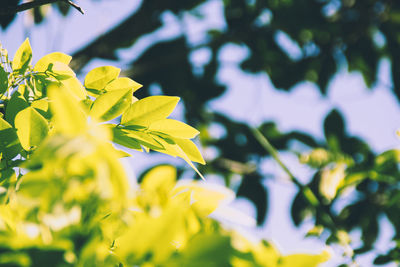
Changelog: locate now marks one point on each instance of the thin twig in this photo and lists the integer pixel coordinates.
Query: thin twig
(25, 6)
(305, 190)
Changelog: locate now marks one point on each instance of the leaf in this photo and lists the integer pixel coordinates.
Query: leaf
(68, 116)
(149, 109)
(207, 250)
(9, 143)
(75, 87)
(16, 104)
(99, 77)
(190, 149)
(144, 139)
(22, 57)
(331, 180)
(151, 235)
(120, 138)
(61, 71)
(308, 260)
(31, 127)
(123, 83)
(174, 150)
(3, 80)
(111, 104)
(42, 106)
(174, 128)
(160, 179)
(43, 64)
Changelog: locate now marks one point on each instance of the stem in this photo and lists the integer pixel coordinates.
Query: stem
(25, 6)
(306, 191)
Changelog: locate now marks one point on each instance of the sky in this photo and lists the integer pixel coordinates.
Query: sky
(372, 114)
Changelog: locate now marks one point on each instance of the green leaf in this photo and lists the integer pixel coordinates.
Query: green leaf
(3, 80)
(144, 139)
(174, 128)
(123, 83)
(43, 64)
(22, 57)
(99, 77)
(61, 71)
(9, 143)
(120, 138)
(111, 104)
(149, 109)
(16, 104)
(32, 128)
(190, 149)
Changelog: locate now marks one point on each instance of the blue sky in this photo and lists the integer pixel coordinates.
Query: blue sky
(373, 114)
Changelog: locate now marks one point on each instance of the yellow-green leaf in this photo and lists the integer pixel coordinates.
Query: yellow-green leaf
(160, 179)
(174, 128)
(308, 260)
(190, 149)
(75, 87)
(61, 70)
(32, 128)
(175, 150)
(149, 109)
(43, 64)
(111, 104)
(68, 116)
(99, 77)
(144, 139)
(22, 57)
(123, 83)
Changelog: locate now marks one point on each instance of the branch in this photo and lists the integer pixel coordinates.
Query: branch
(25, 6)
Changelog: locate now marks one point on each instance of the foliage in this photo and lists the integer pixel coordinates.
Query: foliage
(65, 197)
(353, 186)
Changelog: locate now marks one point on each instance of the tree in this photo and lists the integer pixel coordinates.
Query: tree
(329, 35)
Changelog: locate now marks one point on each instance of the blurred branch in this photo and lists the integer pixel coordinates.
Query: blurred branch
(33, 4)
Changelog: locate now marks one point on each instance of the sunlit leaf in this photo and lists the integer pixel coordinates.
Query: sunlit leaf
(144, 139)
(304, 260)
(99, 77)
(111, 104)
(123, 83)
(174, 128)
(331, 180)
(149, 109)
(174, 150)
(68, 116)
(151, 235)
(61, 71)
(190, 149)
(75, 86)
(43, 64)
(22, 57)
(31, 127)
(159, 179)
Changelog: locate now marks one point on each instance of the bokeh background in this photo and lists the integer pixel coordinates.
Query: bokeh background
(307, 73)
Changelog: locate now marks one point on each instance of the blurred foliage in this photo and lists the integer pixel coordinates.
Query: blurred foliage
(352, 186)
(65, 198)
